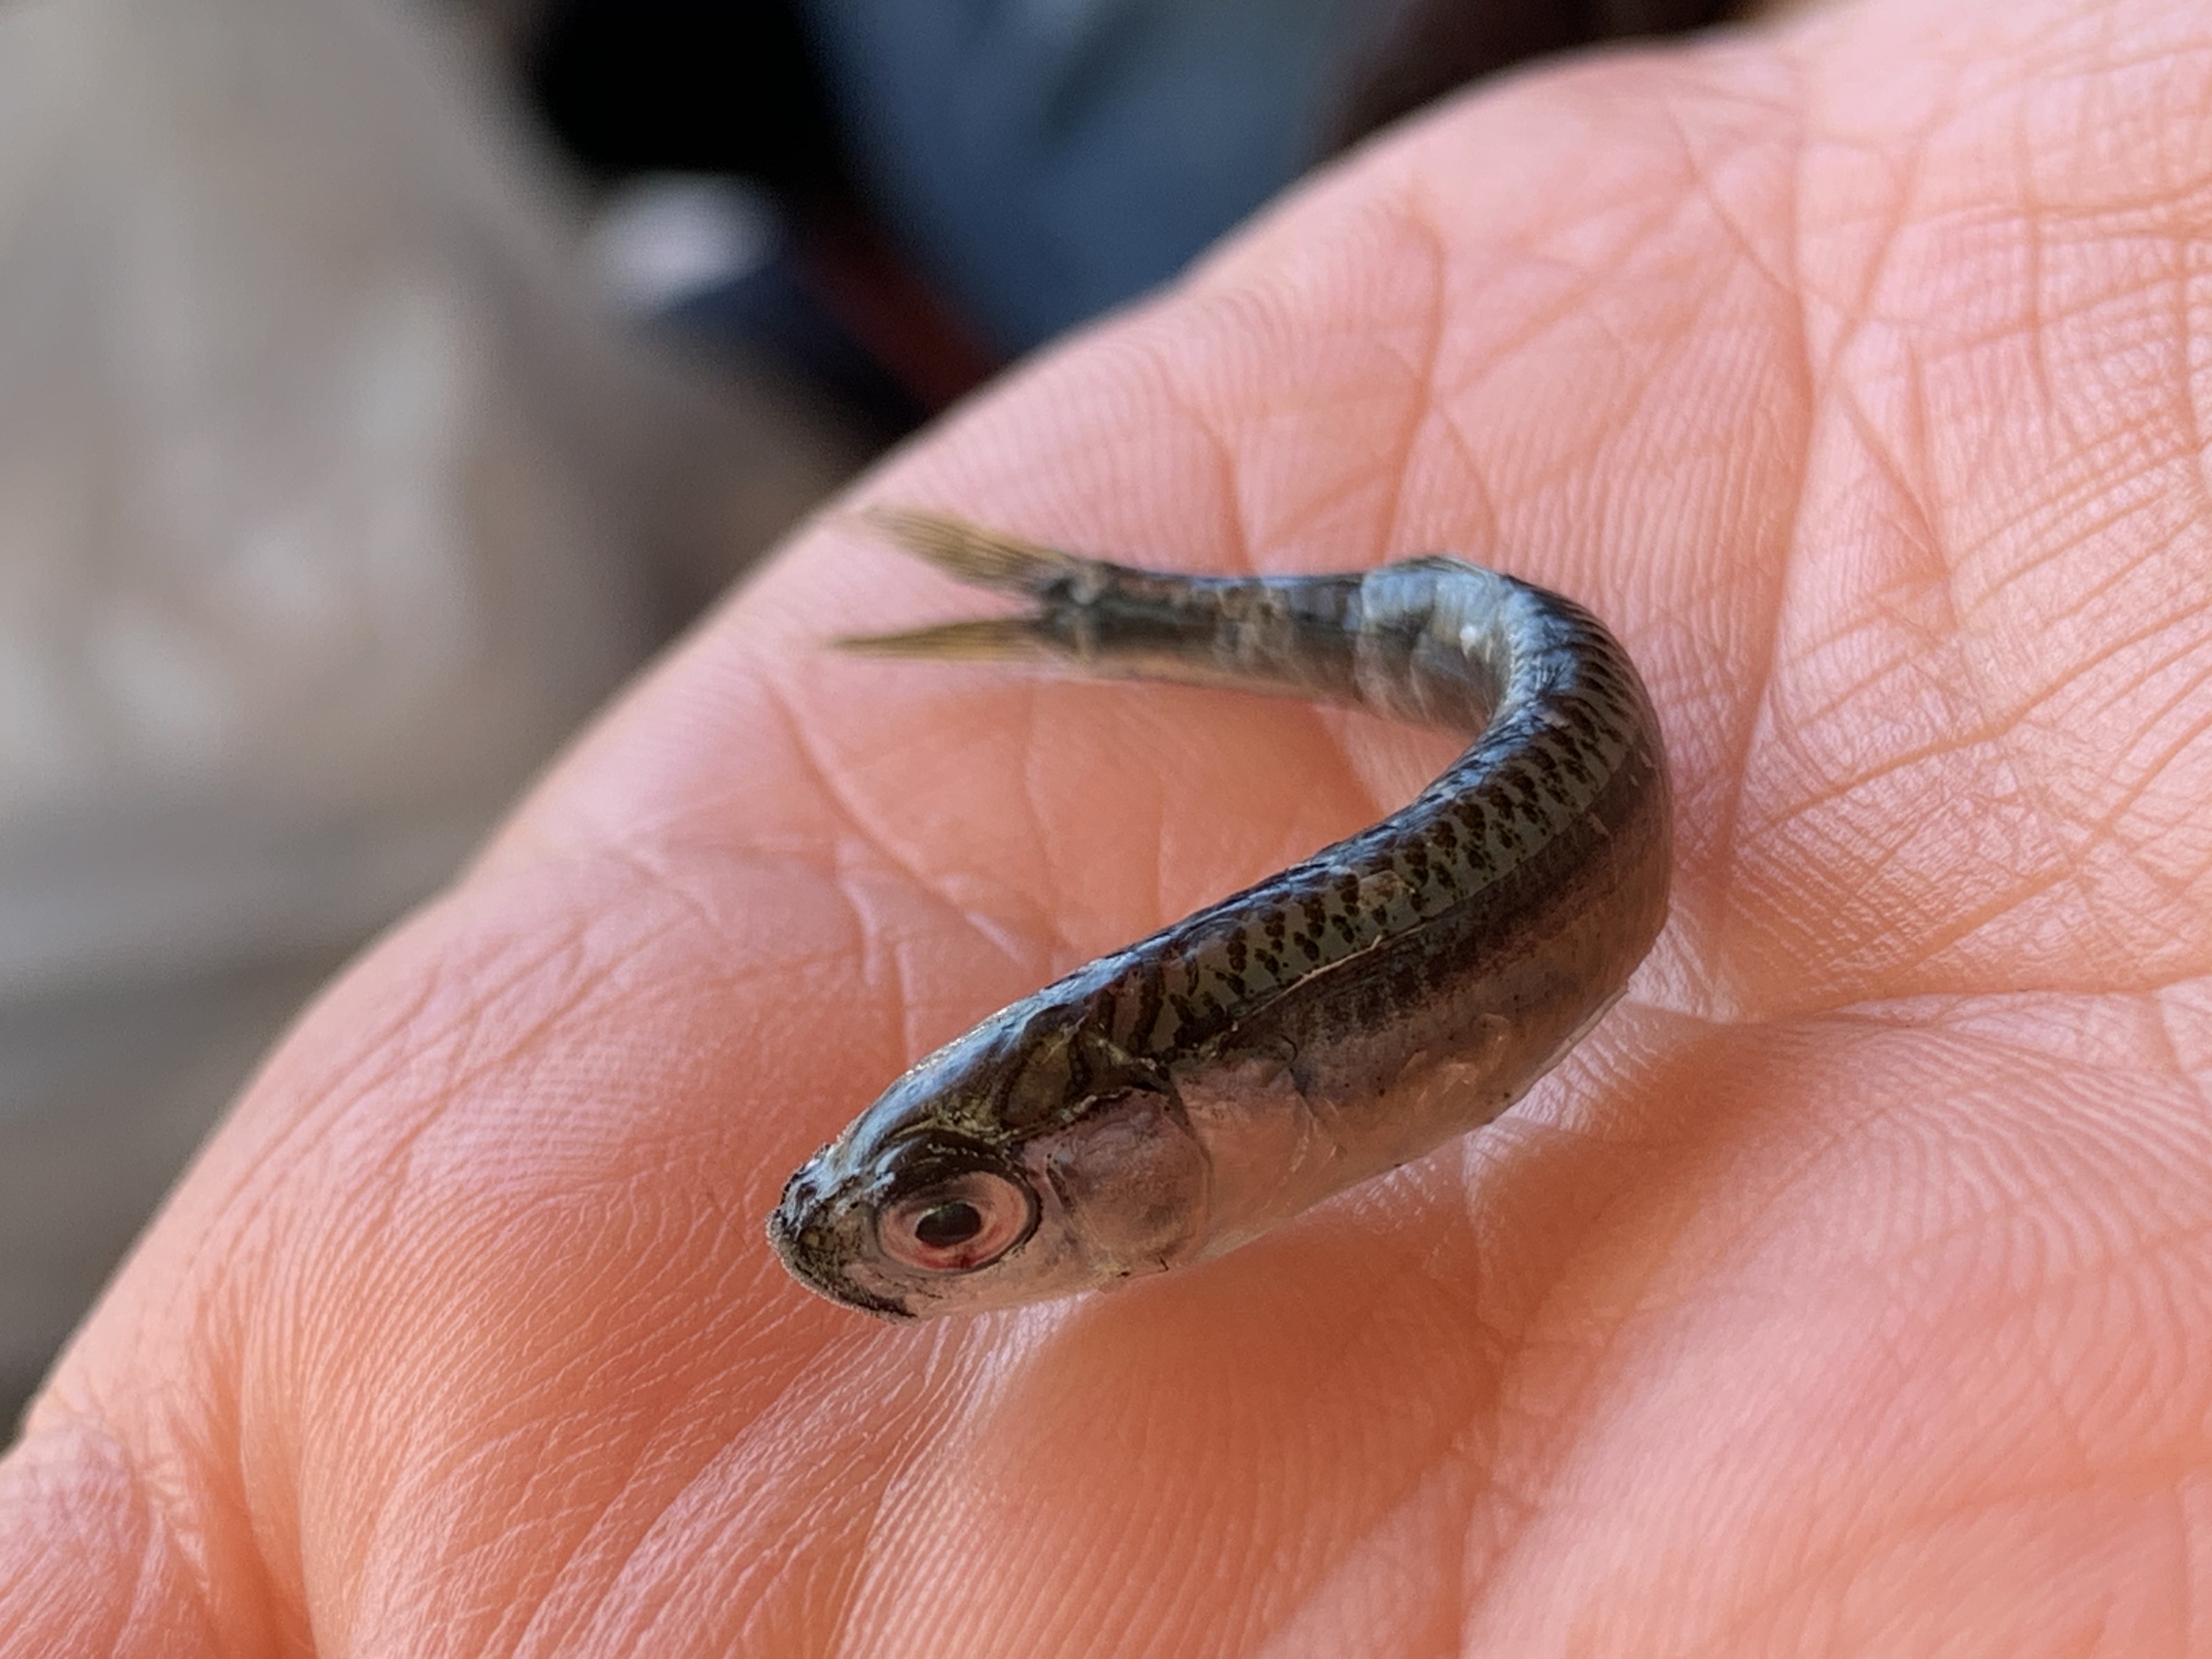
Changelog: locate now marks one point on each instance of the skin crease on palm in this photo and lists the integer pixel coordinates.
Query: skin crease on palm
(1848, 1293)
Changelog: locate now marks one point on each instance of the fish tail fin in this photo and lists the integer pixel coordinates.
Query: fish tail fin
(980, 557)
(993, 639)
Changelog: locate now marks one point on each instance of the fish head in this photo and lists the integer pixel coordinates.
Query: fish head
(994, 1173)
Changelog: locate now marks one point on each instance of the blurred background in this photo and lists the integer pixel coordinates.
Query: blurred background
(381, 381)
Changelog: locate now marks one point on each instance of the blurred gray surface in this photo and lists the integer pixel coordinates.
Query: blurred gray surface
(103, 1095)
(329, 506)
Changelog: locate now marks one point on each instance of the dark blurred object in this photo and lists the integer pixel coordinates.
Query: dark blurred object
(674, 92)
(1037, 164)
(714, 263)
(1043, 164)
(688, 86)
(1410, 52)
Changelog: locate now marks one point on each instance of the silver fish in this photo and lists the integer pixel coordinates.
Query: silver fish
(1175, 1099)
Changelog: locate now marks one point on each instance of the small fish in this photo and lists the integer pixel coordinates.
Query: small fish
(1175, 1099)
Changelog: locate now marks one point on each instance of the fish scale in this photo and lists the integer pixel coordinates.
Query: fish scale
(1175, 1099)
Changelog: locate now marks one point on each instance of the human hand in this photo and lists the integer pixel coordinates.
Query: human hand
(1846, 1292)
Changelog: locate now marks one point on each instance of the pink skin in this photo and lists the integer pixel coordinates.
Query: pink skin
(1849, 1292)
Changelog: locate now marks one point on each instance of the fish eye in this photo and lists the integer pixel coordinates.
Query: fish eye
(954, 1225)
(941, 1226)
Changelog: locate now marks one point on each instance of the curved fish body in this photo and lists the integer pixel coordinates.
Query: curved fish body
(1177, 1098)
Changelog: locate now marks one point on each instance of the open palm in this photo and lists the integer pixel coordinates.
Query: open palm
(1849, 1291)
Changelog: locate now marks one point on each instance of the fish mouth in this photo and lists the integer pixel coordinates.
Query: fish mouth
(816, 1251)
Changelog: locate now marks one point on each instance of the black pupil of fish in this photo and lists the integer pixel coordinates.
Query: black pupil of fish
(952, 1223)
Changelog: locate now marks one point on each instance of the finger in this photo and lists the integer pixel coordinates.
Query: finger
(89, 1564)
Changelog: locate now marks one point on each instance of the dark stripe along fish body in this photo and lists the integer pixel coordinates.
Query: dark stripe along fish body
(1178, 1098)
